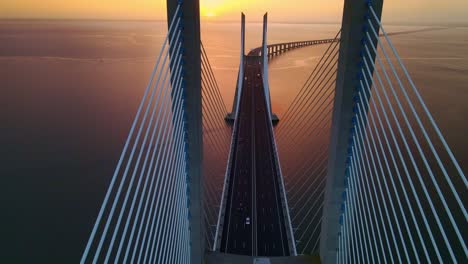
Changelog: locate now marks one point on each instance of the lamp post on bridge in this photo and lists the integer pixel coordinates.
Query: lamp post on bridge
(353, 28)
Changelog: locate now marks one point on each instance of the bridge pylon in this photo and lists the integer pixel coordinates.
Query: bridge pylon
(265, 56)
(354, 23)
(191, 85)
(230, 117)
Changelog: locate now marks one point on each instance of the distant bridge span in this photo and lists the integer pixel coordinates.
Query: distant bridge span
(278, 48)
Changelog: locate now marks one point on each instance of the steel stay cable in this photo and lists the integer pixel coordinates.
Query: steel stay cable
(317, 213)
(305, 165)
(360, 212)
(316, 103)
(219, 118)
(363, 125)
(220, 98)
(122, 155)
(325, 116)
(418, 172)
(173, 168)
(217, 149)
(212, 196)
(218, 140)
(339, 252)
(182, 217)
(206, 112)
(214, 111)
(393, 159)
(211, 89)
(127, 222)
(175, 194)
(312, 194)
(299, 114)
(160, 161)
(178, 141)
(317, 112)
(305, 171)
(351, 229)
(303, 174)
(402, 160)
(361, 170)
(364, 215)
(317, 240)
(207, 90)
(315, 96)
(135, 170)
(310, 76)
(319, 186)
(310, 82)
(355, 237)
(165, 117)
(389, 171)
(361, 230)
(293, 169)
(161, 129)
(307, 191)
(379, 184)
(313, 132)
(221, 148)
(214, 149)
(293, 192)
(311, 91)
(165, 172)
(426, 163)
(319, 222)
(394, 187)
(114, 204)
(164, 164)
(421, 101)
(151, 185)
(177, 247)
(356, 240)
(363, 150)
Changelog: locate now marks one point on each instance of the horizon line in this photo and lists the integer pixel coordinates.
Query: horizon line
(210, 20)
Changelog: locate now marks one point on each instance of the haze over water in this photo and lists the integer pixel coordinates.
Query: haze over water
(69, 92)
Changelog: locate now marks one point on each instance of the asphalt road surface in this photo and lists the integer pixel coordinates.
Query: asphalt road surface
(254, 221)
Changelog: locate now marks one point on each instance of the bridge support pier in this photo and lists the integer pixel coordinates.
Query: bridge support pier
(354, 22)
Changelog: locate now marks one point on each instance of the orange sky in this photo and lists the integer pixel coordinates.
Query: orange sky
(411, 11)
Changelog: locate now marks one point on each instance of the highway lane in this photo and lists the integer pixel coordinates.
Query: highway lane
(253, 223)
(237, 233)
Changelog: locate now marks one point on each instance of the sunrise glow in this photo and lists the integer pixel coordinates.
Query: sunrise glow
(421, 11)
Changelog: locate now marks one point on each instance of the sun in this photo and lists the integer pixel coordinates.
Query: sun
(208, 13)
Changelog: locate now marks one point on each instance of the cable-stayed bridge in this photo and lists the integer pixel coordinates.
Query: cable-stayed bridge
(355, 171)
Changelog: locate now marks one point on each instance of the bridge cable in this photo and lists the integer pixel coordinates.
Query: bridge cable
(298, 96)
(424, 159)
(104, 205)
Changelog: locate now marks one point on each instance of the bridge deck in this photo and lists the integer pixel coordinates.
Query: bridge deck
(254, 222)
